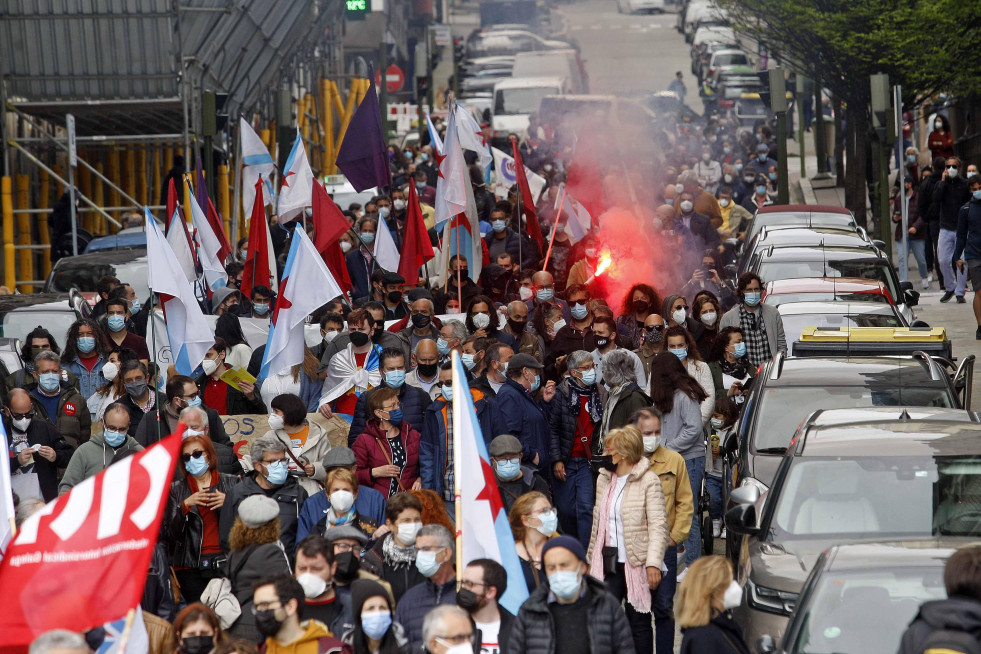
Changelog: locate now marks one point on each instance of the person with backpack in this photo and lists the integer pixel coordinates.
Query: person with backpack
(952, 624)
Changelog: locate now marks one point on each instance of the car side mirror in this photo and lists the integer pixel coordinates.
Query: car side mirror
(879, 244)
(912, 297)
(745, 495)
(741, 519)
(731, 271)
(765, 644)
(920, 324)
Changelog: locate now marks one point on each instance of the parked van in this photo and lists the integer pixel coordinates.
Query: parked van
(515, 99)
(553, 63)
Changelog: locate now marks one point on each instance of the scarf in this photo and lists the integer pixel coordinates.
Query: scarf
(343, 373)
(736, 369)
(594, 404)
(334, 521)
(396, 555)
(638, 590)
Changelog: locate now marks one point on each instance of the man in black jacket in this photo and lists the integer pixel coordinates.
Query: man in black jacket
(483, 583)
(949, 196)
(951, 624)
(35, 445)
(573, 613)
(182, 393)
(924, 208)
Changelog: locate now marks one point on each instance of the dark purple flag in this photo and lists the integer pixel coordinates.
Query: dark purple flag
(363, 156)
(200, 188)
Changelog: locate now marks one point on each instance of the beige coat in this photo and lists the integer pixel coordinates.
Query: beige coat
(317, 445)
(645, 521)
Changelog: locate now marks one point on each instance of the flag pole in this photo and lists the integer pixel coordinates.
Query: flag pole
(555, 227)
(459, 386)
(459, 277)
(127, 630)
(237, 195)
(156, 365)
(517, 188)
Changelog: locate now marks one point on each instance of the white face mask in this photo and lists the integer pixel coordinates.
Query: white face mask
(341, 501)
(329, 336)
(21, 424)
(462, 648)
(708, 319)
(733, 595)
(209, 366)
(558, 324)
(724, 202)
(110, 370)
(679, 315)
(313, 585)
(481, 320)
(276, 421)
(686, 206)
(525, 293)
(345, 246)
(651, 443)
(407, 532)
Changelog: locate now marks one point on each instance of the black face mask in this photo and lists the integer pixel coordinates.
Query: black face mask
(267, 624)
(518, 327)
(348, 565)
(641, 306)
(377, 332)
(198, 644)
(603, 462)
(467, 600)
(420, 321)
(427, 370)
(394, 297)
(359, 339)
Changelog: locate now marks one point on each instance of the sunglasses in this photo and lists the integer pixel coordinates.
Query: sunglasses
(654, 328)
(197, 454)
(21, 416)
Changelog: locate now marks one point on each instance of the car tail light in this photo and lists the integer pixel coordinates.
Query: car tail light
(770, 600)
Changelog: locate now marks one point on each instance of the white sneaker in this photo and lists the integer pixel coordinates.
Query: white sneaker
(929, 277)
(925, 284)
(723, 534)
(716, 527)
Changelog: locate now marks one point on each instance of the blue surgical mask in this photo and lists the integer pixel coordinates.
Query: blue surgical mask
(196, 466)
(680, 352)
(260, 309)
(739, 168)
(442, 346)
(545, 294)
(911, 158)
(276, 473)
(752, 299)
(977, 195)
(49, 381)
(550, 522)
(368, 238)
(408, 155)
(114, 438)
(499, 226)
(739, 350)
(565, 583)
(468, 361)
(116, 322)
(395, 417)
(760, 189)
(446, 390)
(135, 306)
(395, 378)
(589, 377)
(195, 401)
(578, 311)
(426, 563)
(425, 157)
(772, 176)
(535, 384)
(376, 623)
(761, 158)
(86, 344)
(508, 468)
(717, 423)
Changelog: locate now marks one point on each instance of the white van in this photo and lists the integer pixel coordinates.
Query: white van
(515, 99)
(553, 63)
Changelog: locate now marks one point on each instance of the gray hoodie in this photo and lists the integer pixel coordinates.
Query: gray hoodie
(92, 457)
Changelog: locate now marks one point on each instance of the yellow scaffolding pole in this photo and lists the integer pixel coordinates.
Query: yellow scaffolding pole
(224, 205)
(44, 198)
(141, 178)
(129, 172)
(9, 262)
(114, 198)
(24, 226)
(98, 199)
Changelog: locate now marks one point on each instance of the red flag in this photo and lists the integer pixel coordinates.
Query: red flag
(527, 202)
(171, 202)
(416, 246)
(82, 560)
(214, 219)
(328, 226)
(257, 263)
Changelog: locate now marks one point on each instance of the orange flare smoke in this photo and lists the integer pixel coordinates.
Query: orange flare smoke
(604, 263)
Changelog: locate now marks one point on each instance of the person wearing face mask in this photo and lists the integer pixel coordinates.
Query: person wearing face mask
(680, 343)
(86, 352)
(181, 393)
(196, 630)
(482, 584)
(914, 236)
(730, 370)
(523, 414)
(425, 367)
(694, 232)
(723, 423)
(190, 523)
(139, 312)
(533, 522)
(314, 568)
(630, 530)
(709, 171)
(280, 609)
(94, 455)
(761, 324)
(373, 630)
(228, 327)
(393, 555)
(412, 399)
(35, 446)
(502, 238)
(117, 321)
(967, 250)
(263, 303)
(377, 335)
(575, 417)
(735, 218)
(543, 287)
(573, 612)
(342, 490)
(425, 179)
(940, 140)
(759, 197)
(420, 324)
(269, 478)
(226, 300)
(640, 301)
(113, 389)
(518, 335)
(705, 606)
(602, 342)
(435, 559)
(706, 307)
(360, 260)
(948, 197)
(513, 479)
(58, 403)
(391, 286)
(435, 461)
(387, 450)
(459, 268)
(669, 466)
(652, 343)
(221, 396)
(482, 319)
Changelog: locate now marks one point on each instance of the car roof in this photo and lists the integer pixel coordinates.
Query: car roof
(807, 236)
(889, 438)
(538, 54)
(893, 554)
(840, 308)
(825, 285)
(817, 253)
(849, 371)
(529, 82)
(803, 209)
(103, 257)
(30, 301)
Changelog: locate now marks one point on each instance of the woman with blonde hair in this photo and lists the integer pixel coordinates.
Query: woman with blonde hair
(533, 522)
(703, 608)
(630, 530)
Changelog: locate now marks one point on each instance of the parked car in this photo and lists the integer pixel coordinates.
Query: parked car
(20, 314)
(132, 237)
(635, 6)
(835, 315)
(826, 289)
(725, 59)
(509, 42)
(851, 476)
(860, 597)
(782, 236)
(801, 215)
(85, 270)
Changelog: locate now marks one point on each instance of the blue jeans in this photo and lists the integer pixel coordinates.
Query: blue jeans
(945, 251)
(693, 546)
(917, 248)
(574, 499)
(714, 486)
(663, 604)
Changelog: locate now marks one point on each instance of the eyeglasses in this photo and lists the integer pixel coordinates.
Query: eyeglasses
(470, 584)
(265, 606)
(390, 409)
(951, 167)
(344, 547)
(190, 397)
(197, 454)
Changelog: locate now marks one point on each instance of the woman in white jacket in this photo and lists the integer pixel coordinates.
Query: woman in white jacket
(681, 344)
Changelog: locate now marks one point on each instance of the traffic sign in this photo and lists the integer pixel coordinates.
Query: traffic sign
(394, 78)
(72, 143)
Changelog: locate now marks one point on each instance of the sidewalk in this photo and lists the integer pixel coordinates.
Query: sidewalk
(958, 319)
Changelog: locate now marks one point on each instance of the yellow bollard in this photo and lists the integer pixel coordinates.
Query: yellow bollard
(141, 180)
(98, 198)
(9, 252)
(24, 227)
(224, 205)
(129, 172)
(44, 198)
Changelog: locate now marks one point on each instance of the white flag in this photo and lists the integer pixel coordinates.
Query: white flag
(6, 497)
(471, 136)
(506, 176)
(385, 251)
(180, 243)
(208, 248)
(256, 161)
(296, 193)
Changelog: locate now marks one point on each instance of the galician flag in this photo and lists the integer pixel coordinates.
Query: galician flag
(209, 249)
(453, 180)
(296, 192)
(180, 243)
(480, 515)
(188, 331)
(256, 161)
(434, 135)
(306, 286)
(471, 136)
(385, 251)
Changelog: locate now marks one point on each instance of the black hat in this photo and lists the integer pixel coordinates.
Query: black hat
(362, 590)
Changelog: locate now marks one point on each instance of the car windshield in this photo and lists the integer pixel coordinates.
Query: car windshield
(18, 324)
(776, 299)
(880, 497)
(783, 408)
(862, 268)
(865, 612)
(521, 101)
(84, 276)
(736, 59)
(794, 325)
(750, 107)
